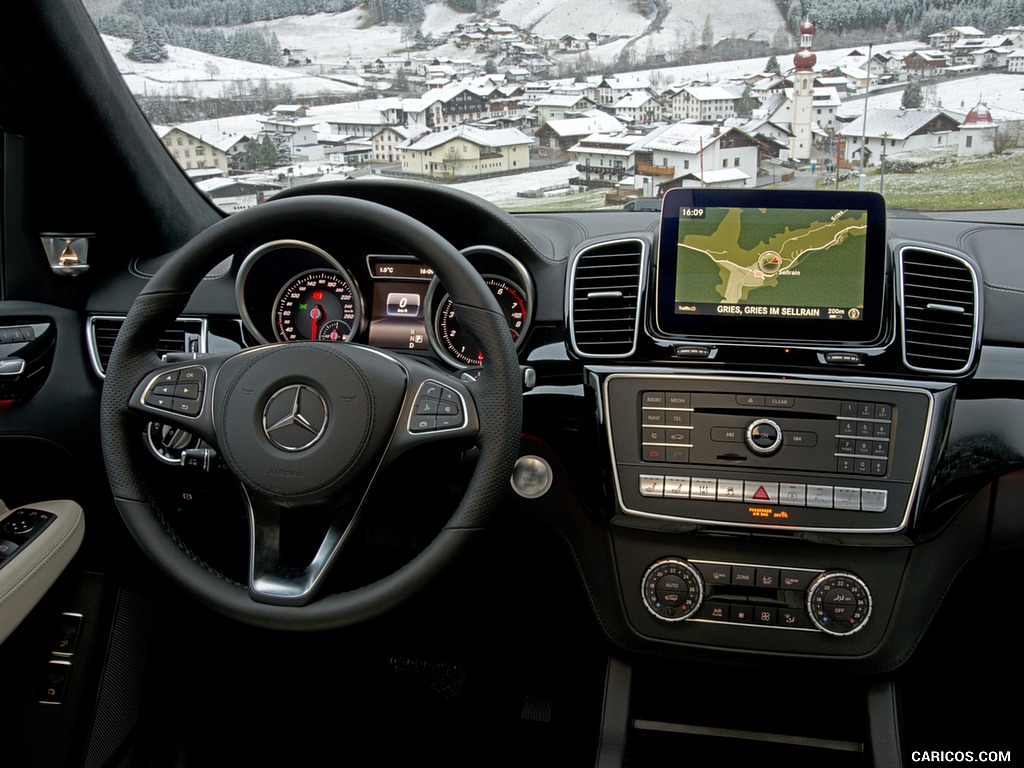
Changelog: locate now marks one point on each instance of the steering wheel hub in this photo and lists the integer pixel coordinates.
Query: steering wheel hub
(296, 422)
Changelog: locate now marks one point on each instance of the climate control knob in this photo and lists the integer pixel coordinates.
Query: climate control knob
(838, 603)
(672, 589)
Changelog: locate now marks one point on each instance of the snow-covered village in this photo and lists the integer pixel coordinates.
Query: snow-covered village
(502, 104)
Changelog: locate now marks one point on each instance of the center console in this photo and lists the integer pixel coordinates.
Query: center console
(757, 507)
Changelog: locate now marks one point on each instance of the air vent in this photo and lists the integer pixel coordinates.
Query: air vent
(940, 311)
(183, 336)
(605, 299)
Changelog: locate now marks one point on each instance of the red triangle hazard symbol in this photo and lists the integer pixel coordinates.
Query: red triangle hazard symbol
(761, 494)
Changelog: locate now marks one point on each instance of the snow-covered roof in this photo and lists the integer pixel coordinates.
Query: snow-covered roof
(593, 121)
(685, 138)
(898, 124)
(502, 137)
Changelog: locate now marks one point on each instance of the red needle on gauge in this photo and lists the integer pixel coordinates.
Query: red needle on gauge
(316, 314)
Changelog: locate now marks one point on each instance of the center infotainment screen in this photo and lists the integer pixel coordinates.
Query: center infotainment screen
(772, 265)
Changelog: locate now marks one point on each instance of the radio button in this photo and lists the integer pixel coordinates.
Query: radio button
(653, 399)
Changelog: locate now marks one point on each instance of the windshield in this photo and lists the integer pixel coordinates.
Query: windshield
(537, 106)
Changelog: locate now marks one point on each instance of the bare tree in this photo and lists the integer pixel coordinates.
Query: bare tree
(1006, 136)
(451, 161)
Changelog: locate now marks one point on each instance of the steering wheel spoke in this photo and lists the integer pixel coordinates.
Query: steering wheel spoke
(437, 407)
(278, 576)
(180, 395)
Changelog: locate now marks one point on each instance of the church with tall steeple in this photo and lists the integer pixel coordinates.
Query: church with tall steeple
(803, 96)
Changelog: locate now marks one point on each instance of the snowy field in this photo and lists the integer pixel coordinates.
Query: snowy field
(191, 73)
(1000, 91)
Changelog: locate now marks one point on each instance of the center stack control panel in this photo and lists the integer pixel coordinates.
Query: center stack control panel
(761, 453)
(674, 589)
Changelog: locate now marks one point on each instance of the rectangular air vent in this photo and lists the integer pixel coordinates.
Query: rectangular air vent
(604, 296)
(186, 335)
(939, 298)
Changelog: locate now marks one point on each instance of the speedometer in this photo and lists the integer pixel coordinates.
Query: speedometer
(319, 305)
(458, 345)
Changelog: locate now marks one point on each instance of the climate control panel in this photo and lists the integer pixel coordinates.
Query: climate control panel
(834, 602)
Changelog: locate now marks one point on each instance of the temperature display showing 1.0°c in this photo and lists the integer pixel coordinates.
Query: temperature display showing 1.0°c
(457, 344)
(318, 305)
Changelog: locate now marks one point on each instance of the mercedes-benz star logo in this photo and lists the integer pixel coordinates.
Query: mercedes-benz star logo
(295, 417)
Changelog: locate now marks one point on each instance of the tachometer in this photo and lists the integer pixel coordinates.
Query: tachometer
(458, 345)
(318, 305)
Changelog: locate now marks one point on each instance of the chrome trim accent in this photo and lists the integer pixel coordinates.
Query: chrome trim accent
(843, 574)
(257, 253)
(915, 483)
(158, 411)
(976, 336)
(94, 355)
(641, 288)
(295, 417)
(437, 290)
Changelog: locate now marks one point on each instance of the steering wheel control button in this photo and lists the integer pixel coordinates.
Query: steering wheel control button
(295, 417)
(672, 590)
(436, 408)
(179, 391)
(838, 603)
(531, 477)
(764, 437)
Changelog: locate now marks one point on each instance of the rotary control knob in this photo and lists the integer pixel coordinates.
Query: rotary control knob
(764, 437)
(838, 603)
(672, 589)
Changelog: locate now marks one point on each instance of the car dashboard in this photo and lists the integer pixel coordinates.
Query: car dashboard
(751, 495)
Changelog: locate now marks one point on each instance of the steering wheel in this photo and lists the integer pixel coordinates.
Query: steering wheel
(308, 425)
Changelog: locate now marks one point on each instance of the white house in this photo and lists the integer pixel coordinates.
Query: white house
(689, 151)
(467, 151)
(898, 130)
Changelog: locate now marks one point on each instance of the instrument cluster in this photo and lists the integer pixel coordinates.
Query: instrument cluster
(291, 290)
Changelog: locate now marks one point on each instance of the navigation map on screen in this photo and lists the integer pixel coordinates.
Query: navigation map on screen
(771, 262)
